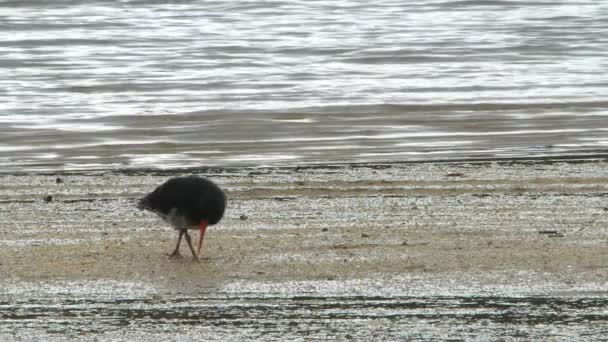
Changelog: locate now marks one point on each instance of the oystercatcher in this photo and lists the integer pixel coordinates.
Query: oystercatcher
(190, 202)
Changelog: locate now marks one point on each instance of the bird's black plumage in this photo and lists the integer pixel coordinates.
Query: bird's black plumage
(192, 198)
(187, 203)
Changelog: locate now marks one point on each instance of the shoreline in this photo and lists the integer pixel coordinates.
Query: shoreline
(571, 158)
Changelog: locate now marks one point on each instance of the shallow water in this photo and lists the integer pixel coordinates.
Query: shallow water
(148, 83)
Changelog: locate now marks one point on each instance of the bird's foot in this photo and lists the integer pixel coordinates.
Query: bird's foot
(175, 255)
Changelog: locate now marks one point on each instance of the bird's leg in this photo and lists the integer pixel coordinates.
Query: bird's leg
(203, 227)
(175, 253)
(189, 241)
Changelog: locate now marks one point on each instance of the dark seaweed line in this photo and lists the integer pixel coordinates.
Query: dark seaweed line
(600, 155)
(477, 301)
(529, 310)
(70, 201)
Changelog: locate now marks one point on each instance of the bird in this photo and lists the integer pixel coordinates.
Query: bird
(187, 202)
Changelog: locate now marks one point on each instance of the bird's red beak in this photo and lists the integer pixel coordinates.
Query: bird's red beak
(201, 235)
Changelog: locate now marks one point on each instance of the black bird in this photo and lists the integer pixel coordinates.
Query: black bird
(190, 202)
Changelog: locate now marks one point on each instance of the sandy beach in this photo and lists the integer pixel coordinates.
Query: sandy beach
(400, 251)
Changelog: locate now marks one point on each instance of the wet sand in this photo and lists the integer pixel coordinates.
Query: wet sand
(509, 249)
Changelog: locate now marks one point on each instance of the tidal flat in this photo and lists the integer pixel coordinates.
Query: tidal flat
(470, 250)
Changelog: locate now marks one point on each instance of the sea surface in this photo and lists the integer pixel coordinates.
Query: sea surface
(164, 84)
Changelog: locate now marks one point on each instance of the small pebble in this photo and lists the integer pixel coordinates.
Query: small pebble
(243, 217)
(454, 174)
(48, 198)
(556, 235)
(324, 229)
(364, 235)
(59, 180)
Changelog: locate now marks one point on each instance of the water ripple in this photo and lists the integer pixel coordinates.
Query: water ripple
(69, 64)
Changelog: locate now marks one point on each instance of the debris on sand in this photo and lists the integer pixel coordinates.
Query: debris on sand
(454, 174)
